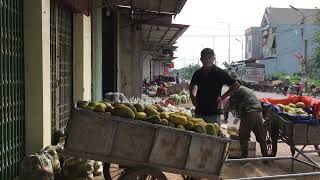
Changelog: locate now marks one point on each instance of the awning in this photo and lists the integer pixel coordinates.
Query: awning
(156, 49)
(163, 58)
(77, 6)
(157, 36)
(166, 6)
(140, 16)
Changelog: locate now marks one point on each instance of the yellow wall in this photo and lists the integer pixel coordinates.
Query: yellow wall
(37, 74)
(81, 57)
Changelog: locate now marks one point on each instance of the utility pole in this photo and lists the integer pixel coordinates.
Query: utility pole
(229, 43)
(229, 36)
(215, 62)
(241, 47)
(303, 60)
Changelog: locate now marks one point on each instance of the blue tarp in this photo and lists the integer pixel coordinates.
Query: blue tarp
(295, 118)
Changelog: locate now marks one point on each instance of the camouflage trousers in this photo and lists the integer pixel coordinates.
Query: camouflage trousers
(252, 121)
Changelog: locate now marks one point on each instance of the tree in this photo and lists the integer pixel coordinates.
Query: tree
(188, 71)
(314, 65)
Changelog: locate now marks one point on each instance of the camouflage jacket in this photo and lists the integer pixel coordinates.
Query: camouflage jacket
(244, 100)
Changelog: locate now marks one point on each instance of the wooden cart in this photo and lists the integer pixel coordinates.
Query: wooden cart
(144, 149)
(297, 136)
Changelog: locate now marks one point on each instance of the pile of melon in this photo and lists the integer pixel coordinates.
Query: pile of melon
(298, 108)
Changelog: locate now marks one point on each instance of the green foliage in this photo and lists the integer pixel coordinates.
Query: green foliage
(295, 78)
(314, 63)
(187, 72)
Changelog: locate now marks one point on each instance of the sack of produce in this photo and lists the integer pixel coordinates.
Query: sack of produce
(36, 166)
(54, 157)
(77, 168)
(97, 168)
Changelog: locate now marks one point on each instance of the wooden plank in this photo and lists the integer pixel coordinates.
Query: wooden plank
(91, 133)
(133, 141)
(314, 135)
(170, 148)
(299, 134)
(205, 155)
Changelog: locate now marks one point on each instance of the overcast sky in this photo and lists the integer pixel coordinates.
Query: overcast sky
(210, 17)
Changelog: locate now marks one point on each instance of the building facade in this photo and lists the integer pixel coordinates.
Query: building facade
(253, 43)
(288, 39)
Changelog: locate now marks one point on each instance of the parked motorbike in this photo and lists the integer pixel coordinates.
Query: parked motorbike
(315, 91)
(162, 90)
(296, 89)
(278, 89)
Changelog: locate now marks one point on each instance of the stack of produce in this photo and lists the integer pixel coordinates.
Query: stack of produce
(183, 97)
(115, 97)
(51, 162)
(155, 114)
(37, 166)
(298, 108)
(153, 88)
(298, 112)
(233, 133)
(77, 168)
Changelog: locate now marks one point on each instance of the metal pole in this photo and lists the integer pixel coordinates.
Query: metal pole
(305, 156)
(215, 61)
(150, 71)
(242, 49)
(303, 60)
(281, 176)
(307, 163)
(229, 43)
(257, 159)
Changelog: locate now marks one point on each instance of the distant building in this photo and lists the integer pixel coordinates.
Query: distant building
(253, 43)
(282, 44)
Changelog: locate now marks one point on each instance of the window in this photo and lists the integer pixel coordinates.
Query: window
(274, 43)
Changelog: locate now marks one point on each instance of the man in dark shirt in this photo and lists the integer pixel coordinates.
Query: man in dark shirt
(209, 81)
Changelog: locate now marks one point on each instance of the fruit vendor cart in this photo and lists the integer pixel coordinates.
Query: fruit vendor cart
(298, 131)
(143, 149)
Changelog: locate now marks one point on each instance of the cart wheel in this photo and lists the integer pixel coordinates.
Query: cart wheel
(112, 171)
(271, 138)
(142, 174)
(272, 145)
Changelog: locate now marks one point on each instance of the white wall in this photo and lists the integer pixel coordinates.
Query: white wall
(146, 67)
